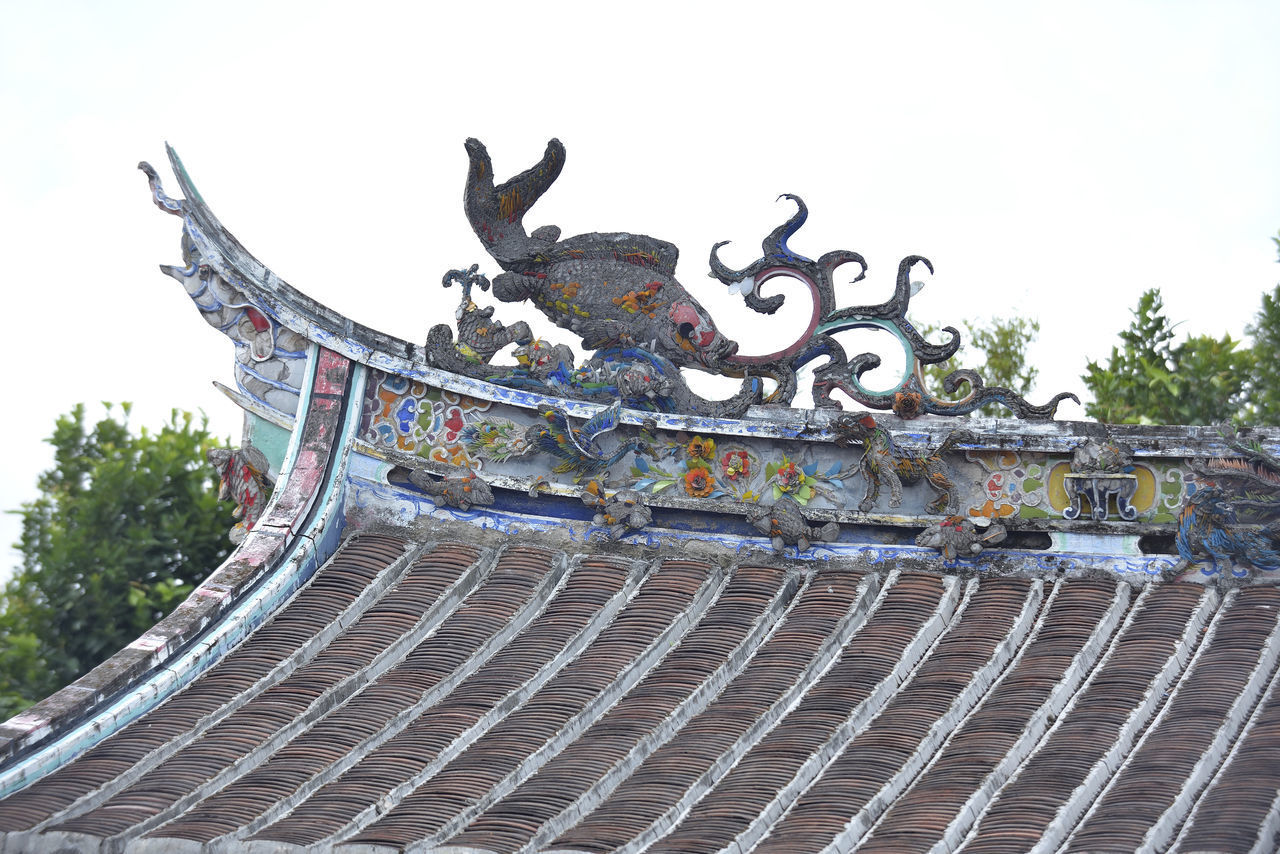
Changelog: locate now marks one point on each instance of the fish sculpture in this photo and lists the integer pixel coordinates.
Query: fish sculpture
(611, 289)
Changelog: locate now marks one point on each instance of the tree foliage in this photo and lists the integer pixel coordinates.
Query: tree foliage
(1148, 379)
(124, 525)
(1003, 343)
(1262, 393)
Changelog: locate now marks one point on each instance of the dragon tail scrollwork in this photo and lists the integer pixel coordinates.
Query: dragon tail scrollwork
(618, 290)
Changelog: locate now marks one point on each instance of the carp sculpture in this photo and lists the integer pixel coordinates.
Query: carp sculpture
(618, 292)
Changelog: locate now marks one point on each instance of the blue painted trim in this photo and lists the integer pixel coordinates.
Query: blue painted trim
(273, 383)
(403, 506)
(233, 322)
(308, 551)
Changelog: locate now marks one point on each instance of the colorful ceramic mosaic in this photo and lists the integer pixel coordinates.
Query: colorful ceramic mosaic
(701, 469)
(1033, 486)
(406, 415)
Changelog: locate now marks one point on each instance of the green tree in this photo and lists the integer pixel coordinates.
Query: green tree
(124, 525)
(1262, 394)
(1003, 343)
(1150, 380)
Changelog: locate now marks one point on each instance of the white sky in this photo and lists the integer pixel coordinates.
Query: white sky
(1052, 160)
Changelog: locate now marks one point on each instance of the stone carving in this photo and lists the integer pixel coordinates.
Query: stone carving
(243, 478)
(1099, 471)
(464, 491)
(623, 512)
(785, 525)
(885, 462)
(957, 536)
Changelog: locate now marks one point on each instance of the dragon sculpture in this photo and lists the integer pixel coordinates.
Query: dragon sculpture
(618, 292)
(1209, 528)
(885, 462)
(1234, 518)
(577, 448)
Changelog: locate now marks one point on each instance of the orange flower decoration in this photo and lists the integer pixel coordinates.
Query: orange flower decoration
(906, 404)
(698, 483)
(700, 449)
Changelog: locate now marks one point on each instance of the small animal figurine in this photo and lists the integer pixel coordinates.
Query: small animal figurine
(243, 478)
(623, 512)
(883, 461)
(957, 536)
(479, 335)
(542, 359)
(1102, 457)
(464, 492)
(786, 526)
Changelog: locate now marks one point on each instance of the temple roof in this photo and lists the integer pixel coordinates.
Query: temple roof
(512, 696)
(570, 607)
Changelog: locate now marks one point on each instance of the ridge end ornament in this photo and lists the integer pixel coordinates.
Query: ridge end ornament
(618, 292)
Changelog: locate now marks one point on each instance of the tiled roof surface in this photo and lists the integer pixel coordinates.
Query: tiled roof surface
(518, 698)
